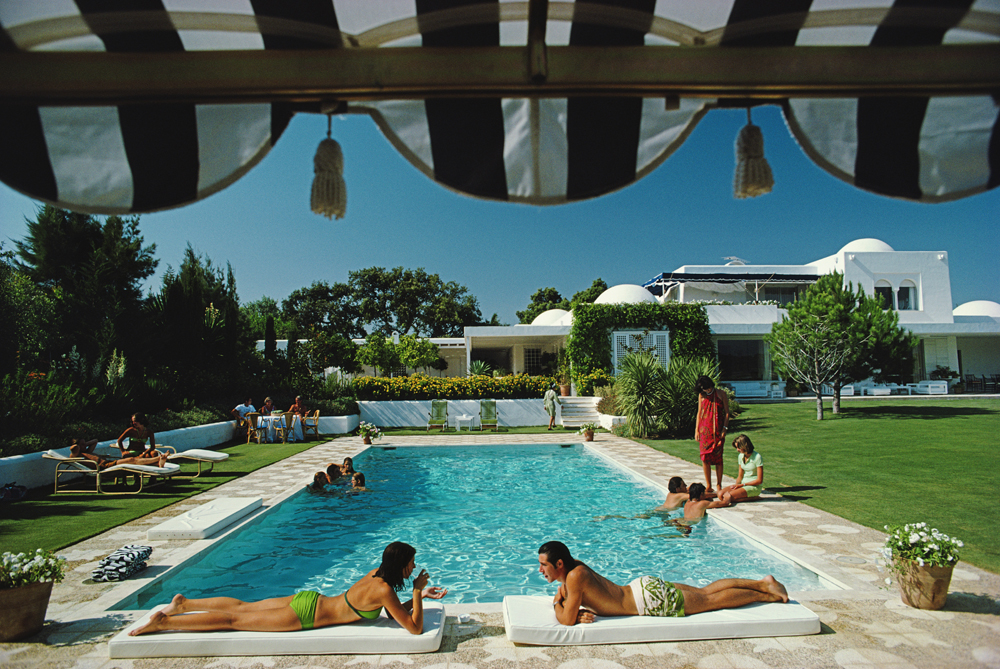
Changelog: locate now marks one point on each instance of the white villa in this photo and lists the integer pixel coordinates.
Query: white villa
(916, 283)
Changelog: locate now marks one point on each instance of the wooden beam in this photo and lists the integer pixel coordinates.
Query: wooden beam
(85, 78)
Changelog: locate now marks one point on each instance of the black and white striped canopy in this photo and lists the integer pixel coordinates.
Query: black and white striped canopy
(69, 144)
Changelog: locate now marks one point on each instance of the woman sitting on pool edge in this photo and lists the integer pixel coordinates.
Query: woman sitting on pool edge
(750, 479)
(309, 609)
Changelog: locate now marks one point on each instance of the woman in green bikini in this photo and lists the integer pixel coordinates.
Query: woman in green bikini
(309, 609)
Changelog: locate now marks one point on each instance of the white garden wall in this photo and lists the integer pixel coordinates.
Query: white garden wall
(414, 413)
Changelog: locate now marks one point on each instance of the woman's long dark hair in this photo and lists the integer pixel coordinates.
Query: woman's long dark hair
(703, 383)
(395, 558)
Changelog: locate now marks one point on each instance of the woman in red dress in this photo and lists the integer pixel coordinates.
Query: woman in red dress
(711, 425)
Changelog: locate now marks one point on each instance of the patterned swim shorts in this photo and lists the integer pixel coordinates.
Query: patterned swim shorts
(656, 597)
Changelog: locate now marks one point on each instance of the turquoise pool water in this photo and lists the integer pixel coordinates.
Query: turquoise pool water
(476, 516)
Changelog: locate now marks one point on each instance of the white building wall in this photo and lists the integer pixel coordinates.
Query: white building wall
(928, 270)
(940, 351)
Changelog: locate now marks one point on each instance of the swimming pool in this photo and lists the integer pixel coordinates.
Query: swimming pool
(476, 516)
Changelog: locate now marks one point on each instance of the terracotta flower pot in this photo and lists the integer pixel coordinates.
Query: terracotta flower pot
(22, 610)
(366, 440)
(564, 390)
(924, 587)
(588, 435)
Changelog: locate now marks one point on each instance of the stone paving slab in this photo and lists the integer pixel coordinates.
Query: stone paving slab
(864, 627)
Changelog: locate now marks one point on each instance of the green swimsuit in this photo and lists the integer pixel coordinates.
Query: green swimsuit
(369, 615)
(304, 604)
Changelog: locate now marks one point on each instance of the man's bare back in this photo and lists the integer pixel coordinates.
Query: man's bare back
(598, 593)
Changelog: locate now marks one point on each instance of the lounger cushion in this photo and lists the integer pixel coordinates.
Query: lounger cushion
(168, 469)
(199, 454)
(381, 636)
(531, 620)
(205, 520)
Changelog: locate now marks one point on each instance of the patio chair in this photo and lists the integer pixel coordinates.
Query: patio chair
(283, 427)
(254, 428)
(973, 384)
(488, 415)
(311, 425)
(68, 465)
(438, 417)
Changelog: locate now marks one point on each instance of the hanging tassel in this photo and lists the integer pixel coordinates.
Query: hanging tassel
(753, 175)
(329, 192)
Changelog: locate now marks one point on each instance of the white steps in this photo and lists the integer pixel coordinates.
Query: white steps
(579, 410)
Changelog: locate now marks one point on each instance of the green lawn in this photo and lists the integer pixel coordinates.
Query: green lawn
(44, 520)
(881, 462)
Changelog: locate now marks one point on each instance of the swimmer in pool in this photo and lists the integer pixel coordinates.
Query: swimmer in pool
(308, 609)
(347, 468)
(584, 594)
(358, 481)
(678, 494)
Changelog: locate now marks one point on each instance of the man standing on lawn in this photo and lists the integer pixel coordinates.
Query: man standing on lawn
(584, 594)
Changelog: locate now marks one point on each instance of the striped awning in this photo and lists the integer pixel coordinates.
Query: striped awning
(117, 106)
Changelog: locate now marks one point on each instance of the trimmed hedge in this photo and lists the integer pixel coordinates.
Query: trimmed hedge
(589, 345)
(421, 387)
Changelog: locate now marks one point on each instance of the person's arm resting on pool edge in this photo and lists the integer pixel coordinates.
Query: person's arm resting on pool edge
(568, 602)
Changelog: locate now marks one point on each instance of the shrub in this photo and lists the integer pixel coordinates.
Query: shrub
(680, 403)
(587, 384)
(421, 387)
(640, 387)
(608, 404)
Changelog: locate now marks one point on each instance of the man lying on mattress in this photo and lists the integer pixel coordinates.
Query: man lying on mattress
(584, 594)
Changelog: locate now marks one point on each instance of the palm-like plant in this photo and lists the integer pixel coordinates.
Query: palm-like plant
(679, 402)
(479, 368)
(641, 388)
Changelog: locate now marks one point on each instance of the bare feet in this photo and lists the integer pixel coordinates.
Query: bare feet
(775, 588)
(163, 460)
(175, 606)
(155, 624)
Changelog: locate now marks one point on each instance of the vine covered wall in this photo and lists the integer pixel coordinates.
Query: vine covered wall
(589, 345)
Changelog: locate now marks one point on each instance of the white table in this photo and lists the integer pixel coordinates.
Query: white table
(463, 420)
(268, 424)
(878, 390)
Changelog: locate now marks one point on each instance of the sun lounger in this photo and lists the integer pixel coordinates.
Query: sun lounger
(200, 456)
(531, 620)
(76, 466)
(382, 636)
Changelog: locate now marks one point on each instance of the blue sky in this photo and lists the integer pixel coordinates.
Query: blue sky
(683, 213)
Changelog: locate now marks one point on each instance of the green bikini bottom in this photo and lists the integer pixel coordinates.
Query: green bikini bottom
(304, 605)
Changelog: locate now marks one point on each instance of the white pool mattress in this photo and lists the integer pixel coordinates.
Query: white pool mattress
(382, 636)
(531, 620)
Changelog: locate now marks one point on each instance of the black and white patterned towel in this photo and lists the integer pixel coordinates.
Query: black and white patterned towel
(129, 553)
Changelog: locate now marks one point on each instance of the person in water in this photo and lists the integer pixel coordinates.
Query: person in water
(308, 609)
(678, 494)
(584, 594)
(358, 481)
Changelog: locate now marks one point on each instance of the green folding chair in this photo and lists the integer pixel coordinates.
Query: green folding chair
(438, 417)
(488, 416)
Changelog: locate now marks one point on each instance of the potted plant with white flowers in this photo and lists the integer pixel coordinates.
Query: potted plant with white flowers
(922, 559)
(587, 430)
(368, 431)
(25, 587)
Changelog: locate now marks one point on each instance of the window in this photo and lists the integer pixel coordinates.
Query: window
(906, 296)
(532, 361)
(781, 294)
(741, 359)
(625, 341)
(884, 290)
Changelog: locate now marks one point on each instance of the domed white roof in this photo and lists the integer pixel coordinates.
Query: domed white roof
(978, 308)
(625, 293)
(867, 245)
(550, 317)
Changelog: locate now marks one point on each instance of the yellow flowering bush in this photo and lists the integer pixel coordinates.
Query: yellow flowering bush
(422, 387)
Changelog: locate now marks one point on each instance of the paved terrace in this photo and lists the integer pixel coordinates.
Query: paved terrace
(866, 626)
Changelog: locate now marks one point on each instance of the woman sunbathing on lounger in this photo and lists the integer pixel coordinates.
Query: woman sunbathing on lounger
(78, 450)
(309, 609)
(137, 435)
